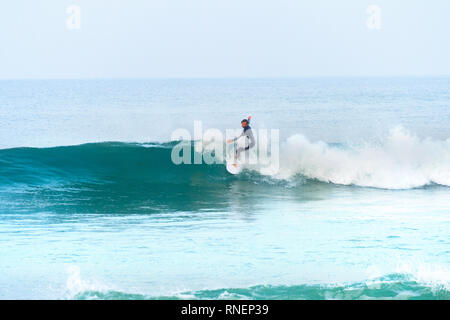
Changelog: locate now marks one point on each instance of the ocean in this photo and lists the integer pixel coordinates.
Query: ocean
(93, 207)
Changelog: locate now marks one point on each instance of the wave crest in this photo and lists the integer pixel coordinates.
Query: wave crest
(401, 161)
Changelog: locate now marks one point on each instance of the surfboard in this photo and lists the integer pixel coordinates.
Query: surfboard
(234, 169)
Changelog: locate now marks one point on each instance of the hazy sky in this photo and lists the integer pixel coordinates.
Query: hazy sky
(222, 38)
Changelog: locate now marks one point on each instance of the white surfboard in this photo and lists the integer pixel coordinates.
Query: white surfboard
(234, 169)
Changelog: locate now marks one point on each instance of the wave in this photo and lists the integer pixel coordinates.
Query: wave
(393, 286)
(401, 161)
(96, 162)
(108, 177)
(410, 280)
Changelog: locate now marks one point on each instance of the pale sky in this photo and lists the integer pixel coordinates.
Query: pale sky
(223, 38)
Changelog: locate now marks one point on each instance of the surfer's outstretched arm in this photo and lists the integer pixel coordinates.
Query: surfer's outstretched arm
(234, 139)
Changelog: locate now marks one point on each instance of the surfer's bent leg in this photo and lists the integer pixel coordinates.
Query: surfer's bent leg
(238, 152)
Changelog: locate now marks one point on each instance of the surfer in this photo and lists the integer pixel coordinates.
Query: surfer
(249, 141)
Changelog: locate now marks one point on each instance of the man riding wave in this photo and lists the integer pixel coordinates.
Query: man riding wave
(249, 138)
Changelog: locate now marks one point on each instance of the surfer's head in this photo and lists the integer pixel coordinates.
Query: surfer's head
(244, 123)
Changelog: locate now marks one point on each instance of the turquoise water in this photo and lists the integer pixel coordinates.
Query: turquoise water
(91, 206)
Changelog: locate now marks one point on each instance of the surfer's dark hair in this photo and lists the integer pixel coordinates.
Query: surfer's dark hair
(245, 120)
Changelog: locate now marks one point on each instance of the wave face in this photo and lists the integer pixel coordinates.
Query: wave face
(106, 162)
(105, 176)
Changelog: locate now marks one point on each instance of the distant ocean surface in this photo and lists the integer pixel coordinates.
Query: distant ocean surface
(92, 207)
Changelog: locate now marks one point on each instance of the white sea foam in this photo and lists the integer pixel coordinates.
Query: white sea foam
(434, 275)
(401, 161)
(75, 284)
